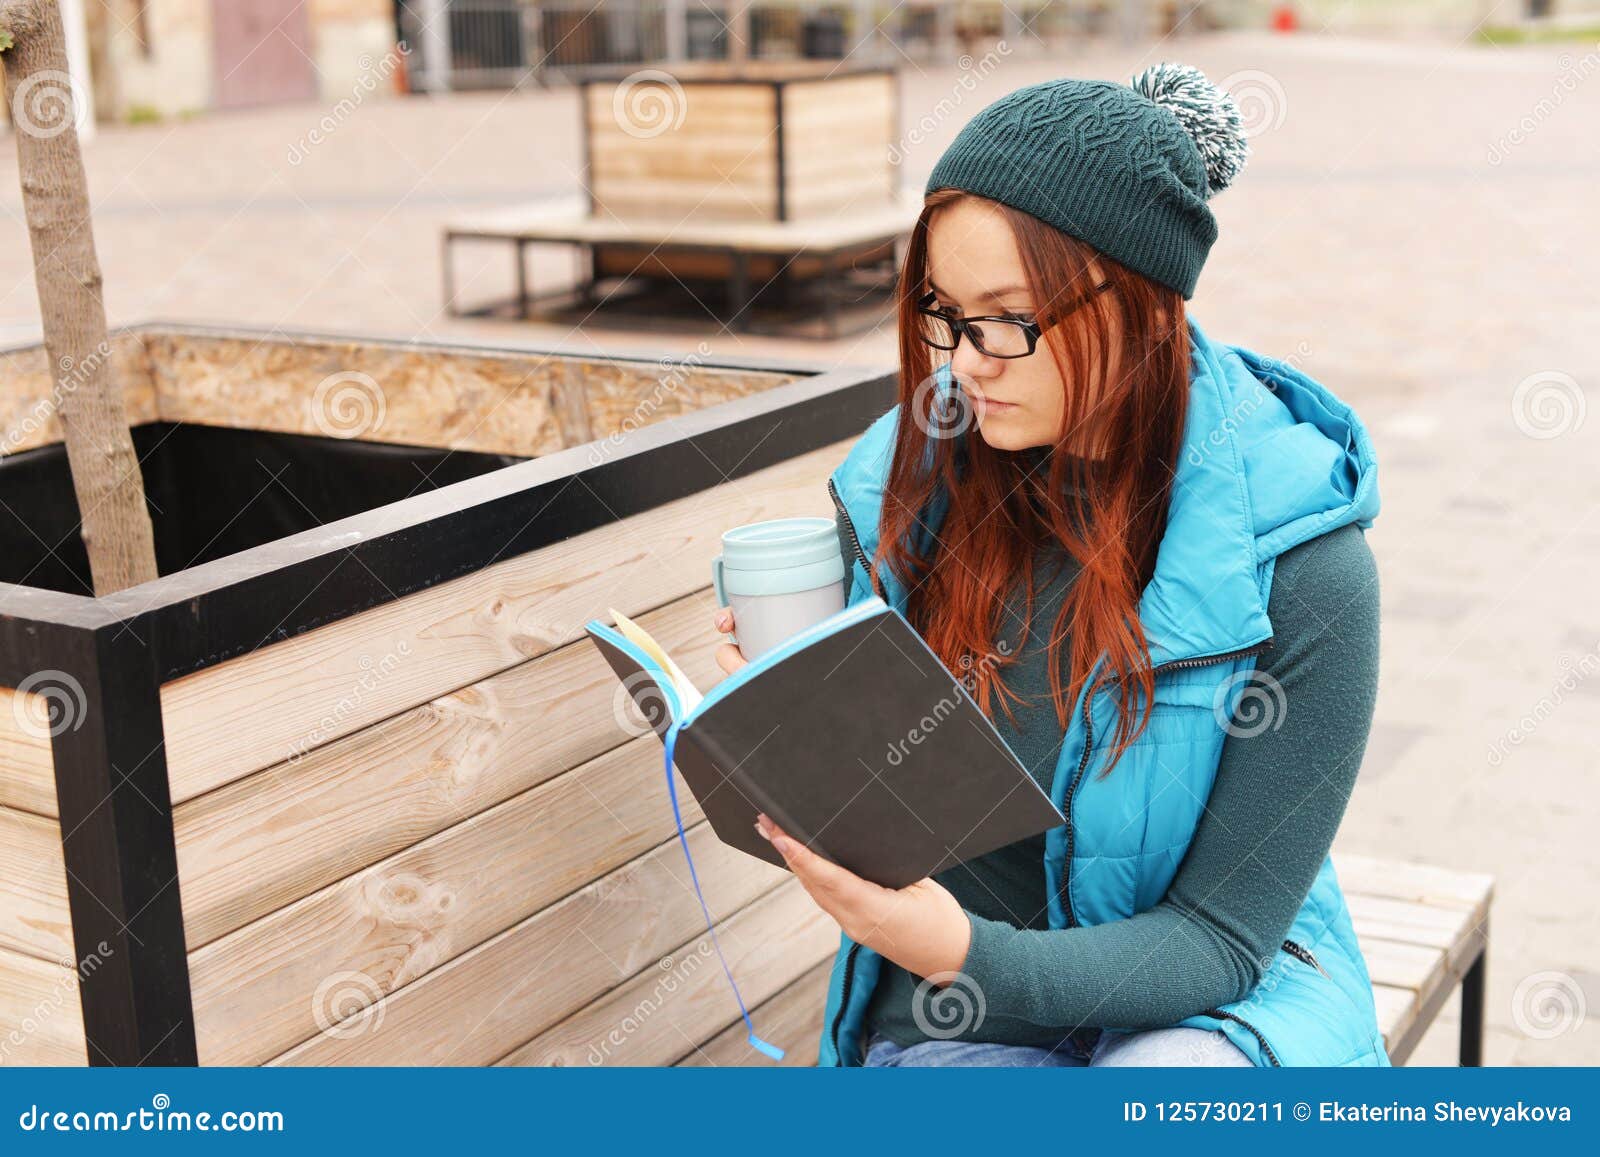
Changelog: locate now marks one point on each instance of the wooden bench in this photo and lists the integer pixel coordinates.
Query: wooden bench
(1423, 930)
(736, 254)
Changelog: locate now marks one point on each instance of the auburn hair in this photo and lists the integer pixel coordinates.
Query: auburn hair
(1107, 512)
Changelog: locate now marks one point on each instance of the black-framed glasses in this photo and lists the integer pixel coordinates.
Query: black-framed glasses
(997, 337)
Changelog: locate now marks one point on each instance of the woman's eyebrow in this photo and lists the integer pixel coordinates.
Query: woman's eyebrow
(992, 295)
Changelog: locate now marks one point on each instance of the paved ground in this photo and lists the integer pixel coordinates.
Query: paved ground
(1417, 228)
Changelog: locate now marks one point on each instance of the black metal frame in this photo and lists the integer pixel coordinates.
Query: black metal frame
(1473, 980)
(583, 290)
(110, 766)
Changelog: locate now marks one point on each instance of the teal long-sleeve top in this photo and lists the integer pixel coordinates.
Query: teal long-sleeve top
(1276, 803)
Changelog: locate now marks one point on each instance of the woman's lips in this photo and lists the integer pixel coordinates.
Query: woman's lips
(984, 403)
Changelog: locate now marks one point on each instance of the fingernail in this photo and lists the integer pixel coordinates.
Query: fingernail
(762, 831)
(722, 620)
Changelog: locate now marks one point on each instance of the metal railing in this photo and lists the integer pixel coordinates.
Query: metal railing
(467, 44)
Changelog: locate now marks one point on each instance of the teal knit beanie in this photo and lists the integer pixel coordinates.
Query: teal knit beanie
(1126, 168)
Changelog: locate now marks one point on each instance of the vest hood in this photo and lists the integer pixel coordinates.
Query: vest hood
(1270, 459)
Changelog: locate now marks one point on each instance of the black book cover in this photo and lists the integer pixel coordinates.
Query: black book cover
(859, 743)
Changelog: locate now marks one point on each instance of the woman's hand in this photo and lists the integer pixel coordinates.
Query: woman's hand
(920, 927)
(729, 657)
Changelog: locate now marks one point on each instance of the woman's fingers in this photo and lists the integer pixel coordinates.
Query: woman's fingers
(729, 657)
(824, 879)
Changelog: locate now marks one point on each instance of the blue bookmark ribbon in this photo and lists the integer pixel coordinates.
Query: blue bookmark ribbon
(669, 741)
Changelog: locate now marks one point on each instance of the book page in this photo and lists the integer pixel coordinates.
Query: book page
(688, 695)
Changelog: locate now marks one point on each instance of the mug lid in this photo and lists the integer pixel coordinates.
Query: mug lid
(779, 542)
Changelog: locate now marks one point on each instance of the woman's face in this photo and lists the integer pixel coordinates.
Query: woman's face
(975, 270)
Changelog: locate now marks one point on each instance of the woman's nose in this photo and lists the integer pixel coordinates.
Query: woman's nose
(972, 362)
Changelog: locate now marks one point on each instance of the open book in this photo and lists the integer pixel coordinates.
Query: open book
(851, 735)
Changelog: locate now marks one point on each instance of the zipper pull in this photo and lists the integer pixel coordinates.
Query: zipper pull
(1303, 955)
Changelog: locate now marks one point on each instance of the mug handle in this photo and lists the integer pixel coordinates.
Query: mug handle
(722, 596)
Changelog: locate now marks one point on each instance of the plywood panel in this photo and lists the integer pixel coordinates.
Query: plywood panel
(428, 395)
(793, 1017)
(30, 390)
(34, 917)
(268, 839)
(27, 769)
(282, 700)
(492, 998)
(41, 1021)
(280, 980)
(769, 945)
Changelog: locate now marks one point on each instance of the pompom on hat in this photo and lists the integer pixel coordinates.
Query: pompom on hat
(1127, 168)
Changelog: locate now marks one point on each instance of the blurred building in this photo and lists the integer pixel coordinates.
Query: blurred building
(171, 57)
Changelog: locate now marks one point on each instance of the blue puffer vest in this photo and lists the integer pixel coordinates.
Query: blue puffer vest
(1270, 460)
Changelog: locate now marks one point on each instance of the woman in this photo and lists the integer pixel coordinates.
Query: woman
(1144, 549)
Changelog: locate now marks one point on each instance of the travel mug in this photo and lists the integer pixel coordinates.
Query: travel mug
(779, 577)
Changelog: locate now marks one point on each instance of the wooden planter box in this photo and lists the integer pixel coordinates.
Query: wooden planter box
(361, 793)
(760, 141)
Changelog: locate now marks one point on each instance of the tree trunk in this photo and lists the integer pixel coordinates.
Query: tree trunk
(88, 398)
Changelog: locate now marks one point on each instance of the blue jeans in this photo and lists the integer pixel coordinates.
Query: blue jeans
(1163, 1047)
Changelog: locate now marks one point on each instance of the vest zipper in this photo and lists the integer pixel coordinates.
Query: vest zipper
(844, 997)
(850, 529)
(1252, 1029)
(1066, 810)
(1088, 747)
(1303, 955)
